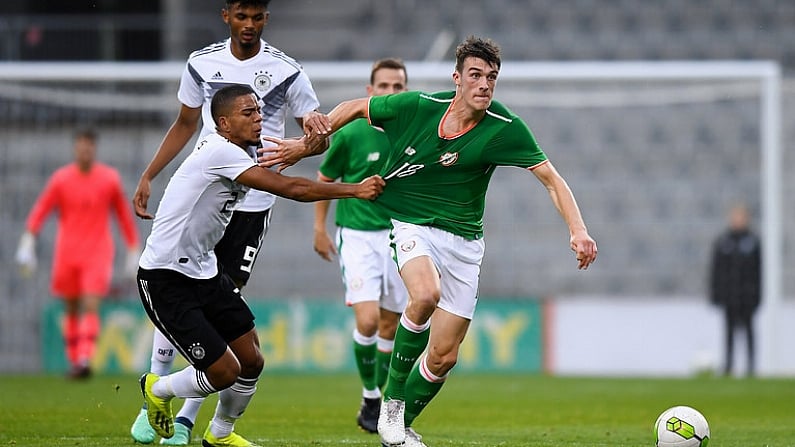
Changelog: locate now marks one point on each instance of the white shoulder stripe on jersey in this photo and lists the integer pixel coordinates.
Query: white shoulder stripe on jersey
(431, 98)
(279, 54)
(212, 48)
(144, 289)
(499, 117)
(489, 112)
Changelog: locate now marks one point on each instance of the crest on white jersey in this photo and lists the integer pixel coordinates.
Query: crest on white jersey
(262, 81)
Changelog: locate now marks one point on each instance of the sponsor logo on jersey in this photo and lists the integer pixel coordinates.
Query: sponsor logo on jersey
(408, 246)
(448, 158)
(373, 156)
(262, 81)
(217, 76)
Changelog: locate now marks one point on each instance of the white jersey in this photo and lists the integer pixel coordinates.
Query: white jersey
(196, 207)
(278, 80)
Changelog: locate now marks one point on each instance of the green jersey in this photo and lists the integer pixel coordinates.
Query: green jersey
(357, 151)
(442, 182)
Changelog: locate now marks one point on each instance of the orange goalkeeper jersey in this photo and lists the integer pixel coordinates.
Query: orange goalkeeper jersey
(84, 202)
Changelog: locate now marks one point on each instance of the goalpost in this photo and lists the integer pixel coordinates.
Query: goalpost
(137, 101)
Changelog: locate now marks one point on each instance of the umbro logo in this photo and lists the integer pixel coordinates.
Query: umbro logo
(217, 75)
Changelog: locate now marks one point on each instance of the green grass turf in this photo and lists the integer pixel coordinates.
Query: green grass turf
(471, 410)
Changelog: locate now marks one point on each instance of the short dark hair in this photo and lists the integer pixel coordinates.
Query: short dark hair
(388, 62)
(263, 3)
(485, 49)
(87, 133)
(225, 97)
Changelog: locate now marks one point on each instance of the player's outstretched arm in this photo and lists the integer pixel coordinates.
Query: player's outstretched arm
(316, 144)
(315, 120)
(176, 138)
(305, 190)
(288, 152)
(348, 111)
(580, 241)
(285, 153)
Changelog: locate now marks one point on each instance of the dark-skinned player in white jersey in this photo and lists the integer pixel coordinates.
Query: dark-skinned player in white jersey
(186, 295)
(444, 148)
(281, 86)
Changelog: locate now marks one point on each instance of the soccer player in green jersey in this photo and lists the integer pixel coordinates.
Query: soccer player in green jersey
(444, 149)
(373, 288)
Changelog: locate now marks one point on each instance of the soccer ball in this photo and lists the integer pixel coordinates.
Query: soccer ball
(681, 426)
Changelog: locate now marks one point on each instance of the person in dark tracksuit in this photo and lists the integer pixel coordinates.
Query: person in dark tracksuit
(735, 282)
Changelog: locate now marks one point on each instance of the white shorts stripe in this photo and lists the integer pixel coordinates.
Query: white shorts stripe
(148, 298)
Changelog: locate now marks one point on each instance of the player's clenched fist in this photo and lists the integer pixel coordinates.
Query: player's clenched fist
(370, 188)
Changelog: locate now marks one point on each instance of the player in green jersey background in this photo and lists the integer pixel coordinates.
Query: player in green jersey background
(373, 288)
(444, 149)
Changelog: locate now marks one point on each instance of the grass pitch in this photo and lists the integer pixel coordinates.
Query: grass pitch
(471, 410)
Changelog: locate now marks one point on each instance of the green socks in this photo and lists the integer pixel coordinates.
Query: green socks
(382, 367)
(365, 356)
(408, 348)
(419, 391)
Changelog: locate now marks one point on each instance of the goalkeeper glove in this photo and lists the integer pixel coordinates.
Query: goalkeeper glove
(26, 254)
(131, 262)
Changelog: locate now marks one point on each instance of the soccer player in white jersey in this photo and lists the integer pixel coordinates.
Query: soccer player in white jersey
(279, 84)
(186, 295)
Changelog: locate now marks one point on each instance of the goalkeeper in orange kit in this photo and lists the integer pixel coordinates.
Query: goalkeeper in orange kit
(84, 194)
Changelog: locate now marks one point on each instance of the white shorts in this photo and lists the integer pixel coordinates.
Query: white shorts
(457, 260)
(368, 271)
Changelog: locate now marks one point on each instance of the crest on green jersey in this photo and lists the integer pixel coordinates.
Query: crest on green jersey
(448, 158)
